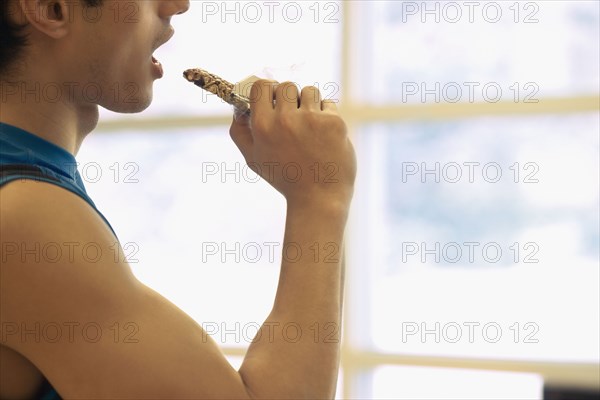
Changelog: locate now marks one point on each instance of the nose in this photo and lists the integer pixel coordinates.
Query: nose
(185, 5)
(175, 7)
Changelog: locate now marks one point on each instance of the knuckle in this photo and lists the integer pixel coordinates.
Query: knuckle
(260, 126)
(286, 122)
(287, 88)
(310, 90)
(287, 92)
(259, 87)
(330, 106)
(311, 93)
(335, 123)
(262, 82)
(313, 120)
(288, 84)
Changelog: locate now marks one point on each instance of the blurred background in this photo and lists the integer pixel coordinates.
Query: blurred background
(473, 244)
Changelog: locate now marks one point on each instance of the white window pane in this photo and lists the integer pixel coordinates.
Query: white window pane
(470, 49)
(403, 382)
(197, 221)
(339, 390)
(285, 40)
(235, 361)
(468, 266)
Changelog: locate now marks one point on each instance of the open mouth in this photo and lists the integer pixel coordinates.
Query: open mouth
(157, 67)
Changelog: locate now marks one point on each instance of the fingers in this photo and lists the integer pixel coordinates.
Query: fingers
(276, 109)
(262, 95)
(269, 95)
(329, 105)
(241, 135)
(286, 97)
(311, 98)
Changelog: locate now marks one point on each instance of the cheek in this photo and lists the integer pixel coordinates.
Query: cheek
(123, 68)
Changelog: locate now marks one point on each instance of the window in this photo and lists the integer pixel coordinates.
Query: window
(473, 242)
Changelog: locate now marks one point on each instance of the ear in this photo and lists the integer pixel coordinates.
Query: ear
(50, 17)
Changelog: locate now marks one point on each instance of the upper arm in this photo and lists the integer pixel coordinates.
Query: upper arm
(70, 304)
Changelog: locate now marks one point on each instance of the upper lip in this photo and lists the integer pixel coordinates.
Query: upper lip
(165, 37)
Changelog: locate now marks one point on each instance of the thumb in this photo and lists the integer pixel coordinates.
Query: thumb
(241, 134)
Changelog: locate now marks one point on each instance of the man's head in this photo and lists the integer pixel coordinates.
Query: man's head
(12, 36)
(96, 51)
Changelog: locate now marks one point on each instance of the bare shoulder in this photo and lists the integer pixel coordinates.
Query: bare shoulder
(28, 207)
(70, 304)
(41, 213)
(55, 249)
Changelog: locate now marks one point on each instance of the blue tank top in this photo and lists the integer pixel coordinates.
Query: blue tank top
(27, 156)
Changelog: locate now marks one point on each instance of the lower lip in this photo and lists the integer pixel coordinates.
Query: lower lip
(157, 67)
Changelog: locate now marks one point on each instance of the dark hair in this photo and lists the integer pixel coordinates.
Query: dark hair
(12, 37)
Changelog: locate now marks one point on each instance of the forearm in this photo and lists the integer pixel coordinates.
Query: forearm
(296, 354)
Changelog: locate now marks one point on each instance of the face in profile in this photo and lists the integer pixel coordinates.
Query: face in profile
(113, 55)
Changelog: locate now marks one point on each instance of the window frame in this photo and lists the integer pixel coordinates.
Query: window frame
(356, 360)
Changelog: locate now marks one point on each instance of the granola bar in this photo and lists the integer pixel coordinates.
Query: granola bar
(218, 86)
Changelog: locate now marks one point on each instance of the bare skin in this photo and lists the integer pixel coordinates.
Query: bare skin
(173, 357)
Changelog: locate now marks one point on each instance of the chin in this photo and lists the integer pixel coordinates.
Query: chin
(130, 102)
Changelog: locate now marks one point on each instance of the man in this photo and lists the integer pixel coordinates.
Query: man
(171, 356)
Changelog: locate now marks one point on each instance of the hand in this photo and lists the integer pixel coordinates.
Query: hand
(299, 144)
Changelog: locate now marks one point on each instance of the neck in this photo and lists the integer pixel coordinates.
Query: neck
(48, 111)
